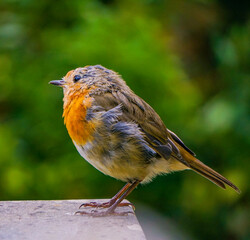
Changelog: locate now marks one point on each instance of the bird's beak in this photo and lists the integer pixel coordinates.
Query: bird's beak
(59, 83)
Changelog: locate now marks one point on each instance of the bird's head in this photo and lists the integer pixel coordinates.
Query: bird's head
(82, 78)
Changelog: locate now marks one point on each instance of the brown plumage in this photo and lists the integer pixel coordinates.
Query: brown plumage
(120, 134)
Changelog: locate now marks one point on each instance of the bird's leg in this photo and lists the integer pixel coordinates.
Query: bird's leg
(112, 208)
(117, 203)
(111, 201)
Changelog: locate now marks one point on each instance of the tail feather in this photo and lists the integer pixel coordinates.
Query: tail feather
(207, 172)
(212, 179)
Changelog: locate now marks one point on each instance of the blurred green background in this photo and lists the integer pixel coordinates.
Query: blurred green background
(188, 59)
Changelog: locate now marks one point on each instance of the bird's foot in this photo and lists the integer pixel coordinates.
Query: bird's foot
(106, 204)
(95, 213)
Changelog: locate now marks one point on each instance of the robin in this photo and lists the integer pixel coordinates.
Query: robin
(121, 135)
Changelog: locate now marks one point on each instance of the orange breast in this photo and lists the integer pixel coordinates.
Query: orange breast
(79, 129)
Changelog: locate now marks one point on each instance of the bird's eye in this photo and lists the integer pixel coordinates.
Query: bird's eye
(77, 78)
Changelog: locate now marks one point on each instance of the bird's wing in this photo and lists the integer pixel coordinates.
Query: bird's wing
(135, 109)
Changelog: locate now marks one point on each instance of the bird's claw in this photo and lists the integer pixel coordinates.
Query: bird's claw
(102, 214)
(105, 205)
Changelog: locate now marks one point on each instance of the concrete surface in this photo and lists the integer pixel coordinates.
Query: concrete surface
(54, 220)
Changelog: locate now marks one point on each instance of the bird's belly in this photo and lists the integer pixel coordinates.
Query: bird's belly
(113, 163)
(85, 151)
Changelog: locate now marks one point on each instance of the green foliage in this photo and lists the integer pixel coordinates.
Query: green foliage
(188, 59)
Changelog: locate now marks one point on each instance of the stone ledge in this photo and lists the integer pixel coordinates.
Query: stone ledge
(54, 220)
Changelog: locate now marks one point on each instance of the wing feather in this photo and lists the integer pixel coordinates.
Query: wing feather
(134, 109)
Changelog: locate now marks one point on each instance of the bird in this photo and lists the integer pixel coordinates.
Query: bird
(121, 135)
